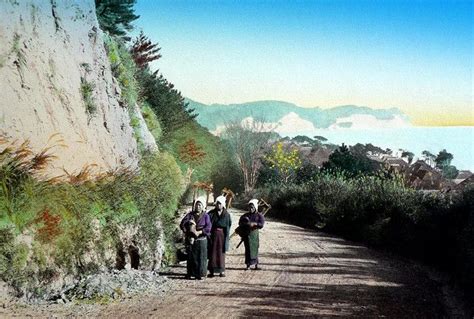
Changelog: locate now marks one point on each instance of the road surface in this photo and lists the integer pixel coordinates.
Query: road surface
(305, 274)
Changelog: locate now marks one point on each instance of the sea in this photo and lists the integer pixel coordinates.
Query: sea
(457, 140)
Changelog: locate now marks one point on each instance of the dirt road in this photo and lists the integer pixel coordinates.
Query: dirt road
(305, 274)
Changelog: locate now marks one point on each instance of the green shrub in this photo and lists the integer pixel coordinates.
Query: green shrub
(124, 69)
(87, 90)
(60, 216)
(436, 228)
(218, 165)
(152, 121)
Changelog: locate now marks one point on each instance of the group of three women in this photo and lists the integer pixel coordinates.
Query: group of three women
(208, 234)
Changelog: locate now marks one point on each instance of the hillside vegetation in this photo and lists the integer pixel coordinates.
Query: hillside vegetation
(57, 228)
(151, 145)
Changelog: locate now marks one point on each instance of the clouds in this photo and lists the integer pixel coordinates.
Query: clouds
(293, 124)
(367, 121)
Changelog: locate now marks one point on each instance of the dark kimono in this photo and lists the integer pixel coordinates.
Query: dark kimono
(197, 252)
(251, 242)
(219, 240)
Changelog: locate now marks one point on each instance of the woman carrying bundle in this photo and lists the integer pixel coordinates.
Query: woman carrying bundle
(252, 222)
(221, 223)
(197, 227)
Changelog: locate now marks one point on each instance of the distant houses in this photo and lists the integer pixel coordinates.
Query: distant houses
(419, 174)
(463, 179)
(311, 151)
(390, 162)
(316, 155)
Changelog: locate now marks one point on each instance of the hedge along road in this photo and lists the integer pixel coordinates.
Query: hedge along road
(305, 273)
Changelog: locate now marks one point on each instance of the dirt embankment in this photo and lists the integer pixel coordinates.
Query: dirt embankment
(56, 82)
(305, 273)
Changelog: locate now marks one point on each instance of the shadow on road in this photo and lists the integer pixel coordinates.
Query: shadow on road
(311, 274)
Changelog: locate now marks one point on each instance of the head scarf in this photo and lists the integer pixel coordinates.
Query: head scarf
(255, 203)
(221, 199)
(202, 200)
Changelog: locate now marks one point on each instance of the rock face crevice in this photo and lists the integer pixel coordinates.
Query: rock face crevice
(47, 47)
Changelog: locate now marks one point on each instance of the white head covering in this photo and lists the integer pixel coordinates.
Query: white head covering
(255, 203)
(202, 200)
(221, 199)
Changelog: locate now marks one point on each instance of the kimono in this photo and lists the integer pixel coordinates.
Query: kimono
(220, 234)
(251, 242)
(197, 250)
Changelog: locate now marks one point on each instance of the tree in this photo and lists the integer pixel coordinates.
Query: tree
(409, 155)
(450, 172)
(248, 140)
(364, 149)
(286, 162)
(191, 154)
(428, 157)
(306, 172)
(443, 162)
(320, 138)
(303, 139)
(167, 102)
(352, 163)
(116, 16)
(144, 51)
(443, 159)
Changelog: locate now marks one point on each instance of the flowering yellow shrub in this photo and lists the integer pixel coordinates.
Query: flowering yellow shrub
(286, 162)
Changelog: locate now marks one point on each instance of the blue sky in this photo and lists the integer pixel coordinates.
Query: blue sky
(415, 55)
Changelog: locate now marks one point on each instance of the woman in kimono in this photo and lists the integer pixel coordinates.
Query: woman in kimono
(221, 223)
(253, 221)
(197, 227)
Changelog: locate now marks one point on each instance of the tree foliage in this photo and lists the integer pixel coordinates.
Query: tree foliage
(443, 159)
(144, 51)
(219, 165)
(443, 162)
(190, 153)
(320, 138)
(364, 149)
(167, 102)
(450, 172)
(286, 162)
(303, 139)
(409, 155)
(349, 162)
(428, 157)
(116, 16)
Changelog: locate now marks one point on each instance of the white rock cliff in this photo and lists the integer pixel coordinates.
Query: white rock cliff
(46, 47)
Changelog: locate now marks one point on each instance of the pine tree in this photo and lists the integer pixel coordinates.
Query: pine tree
(116, 16)
(144, 51)
(167, 102)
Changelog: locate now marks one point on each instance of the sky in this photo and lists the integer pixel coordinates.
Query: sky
(414, 55)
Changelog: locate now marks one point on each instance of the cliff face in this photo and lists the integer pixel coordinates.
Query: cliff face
(55, 77)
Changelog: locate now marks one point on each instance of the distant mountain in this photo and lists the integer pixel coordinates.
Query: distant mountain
(291, 118)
